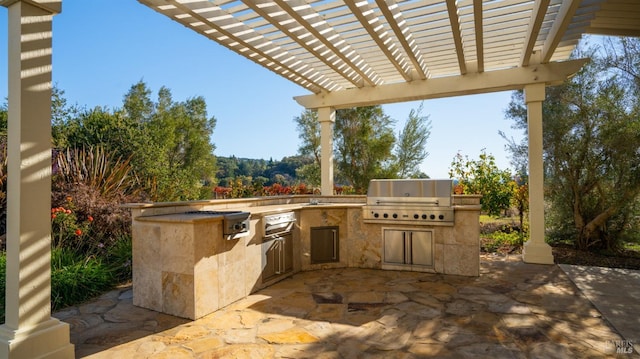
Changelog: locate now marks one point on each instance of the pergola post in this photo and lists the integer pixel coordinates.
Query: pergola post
(326, 117)
(29, 330)
(535, 249)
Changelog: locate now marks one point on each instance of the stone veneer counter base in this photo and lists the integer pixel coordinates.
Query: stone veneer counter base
(183, 266)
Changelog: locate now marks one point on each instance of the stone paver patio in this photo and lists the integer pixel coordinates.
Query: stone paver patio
(513, 310)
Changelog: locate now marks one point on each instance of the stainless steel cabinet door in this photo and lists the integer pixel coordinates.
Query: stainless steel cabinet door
(394, 246)
(270, 256)
(287, 253)
(421, 247)
(325, 245)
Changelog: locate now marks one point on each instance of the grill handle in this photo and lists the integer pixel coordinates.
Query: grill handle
(281, 230)
(437, 203)
(335, 245)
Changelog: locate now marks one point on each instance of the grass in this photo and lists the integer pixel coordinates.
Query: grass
(75, 278)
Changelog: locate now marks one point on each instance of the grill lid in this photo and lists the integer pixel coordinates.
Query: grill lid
(424, 192)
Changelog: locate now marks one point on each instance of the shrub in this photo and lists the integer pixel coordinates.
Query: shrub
(501, 241)
(110, 220)
(68, 232)
(76, 278)
(118, 258)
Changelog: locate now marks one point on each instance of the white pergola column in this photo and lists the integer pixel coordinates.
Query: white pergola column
(327, 117)
(29, 330)
(535, 249)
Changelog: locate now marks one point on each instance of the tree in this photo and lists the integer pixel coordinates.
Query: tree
(622, 56)
(410, 150)
(483, 177)
(363, 143)
(167, 142)
(591, 150)
(182, 159)
(98, 126)
(61, 115)
(364, 146)
(309, 133)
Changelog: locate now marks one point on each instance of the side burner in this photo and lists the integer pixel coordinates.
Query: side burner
(234, 223)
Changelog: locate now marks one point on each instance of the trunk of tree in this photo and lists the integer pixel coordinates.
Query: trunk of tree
(590, 233)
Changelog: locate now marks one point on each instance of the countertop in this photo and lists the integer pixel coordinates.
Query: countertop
(256, 212)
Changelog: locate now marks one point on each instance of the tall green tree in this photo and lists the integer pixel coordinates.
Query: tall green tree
(167, 142)
(309, 133)
(363, 144)
(411, 150)
(99, 127)
(592, 155)
(179, 156)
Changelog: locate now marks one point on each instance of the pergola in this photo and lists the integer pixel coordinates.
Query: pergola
(345, 53)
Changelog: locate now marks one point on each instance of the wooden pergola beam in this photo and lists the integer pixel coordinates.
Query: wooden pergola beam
(472, 83)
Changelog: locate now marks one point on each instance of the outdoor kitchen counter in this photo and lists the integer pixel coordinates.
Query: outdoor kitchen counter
(184, 265)
(181, 218)
(256, 212)
(272, 209)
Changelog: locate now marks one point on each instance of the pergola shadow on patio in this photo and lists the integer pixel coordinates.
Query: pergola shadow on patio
(513, 309)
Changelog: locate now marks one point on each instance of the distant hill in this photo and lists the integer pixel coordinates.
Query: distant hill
(265, 171)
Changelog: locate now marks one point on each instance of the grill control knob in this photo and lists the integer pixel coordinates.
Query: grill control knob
(441, 217)
(239, 226)
(433, 216)
(395, 215)
(376, 215)
(385, 215)
(416, 216)
(424, 216)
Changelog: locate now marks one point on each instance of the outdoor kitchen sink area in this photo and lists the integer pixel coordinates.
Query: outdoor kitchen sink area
(192, 258)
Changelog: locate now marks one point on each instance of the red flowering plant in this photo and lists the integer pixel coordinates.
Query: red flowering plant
(67, 231)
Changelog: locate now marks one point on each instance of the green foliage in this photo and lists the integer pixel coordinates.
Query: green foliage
(499, 239)
(520, 198)
(177, 157)
(483, 177)
(61, 117)
(310, 174)
(76, 278)
(95, 168)
(116, 134)
(364, 146)
(119, 257)
(167, 143)
(259, 173)
(363, 142)
(309, 129)
(410, 150)
(591, 146)
(68, 232)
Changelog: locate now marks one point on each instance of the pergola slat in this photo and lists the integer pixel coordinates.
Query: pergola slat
(335, 45)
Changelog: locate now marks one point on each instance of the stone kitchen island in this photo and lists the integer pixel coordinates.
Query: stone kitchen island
(184, 265)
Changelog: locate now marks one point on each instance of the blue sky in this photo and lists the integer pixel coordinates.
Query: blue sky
(102, 47)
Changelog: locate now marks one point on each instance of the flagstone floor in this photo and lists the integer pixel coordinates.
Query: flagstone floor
(513, 310)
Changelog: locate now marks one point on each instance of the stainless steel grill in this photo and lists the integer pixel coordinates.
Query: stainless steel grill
(418, 201)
